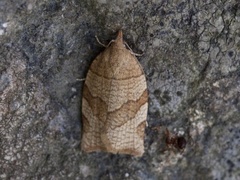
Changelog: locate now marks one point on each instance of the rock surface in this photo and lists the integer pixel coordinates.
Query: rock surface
(191, 57)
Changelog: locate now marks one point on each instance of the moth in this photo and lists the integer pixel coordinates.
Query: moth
(115, 102)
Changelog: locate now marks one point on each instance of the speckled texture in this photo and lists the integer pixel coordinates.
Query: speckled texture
(191, 57)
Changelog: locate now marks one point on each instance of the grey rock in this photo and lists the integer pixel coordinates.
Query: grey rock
(191, 57)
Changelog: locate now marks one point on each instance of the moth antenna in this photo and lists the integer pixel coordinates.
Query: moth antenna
(99, 42)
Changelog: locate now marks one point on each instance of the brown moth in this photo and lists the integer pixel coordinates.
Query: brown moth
(115, 102)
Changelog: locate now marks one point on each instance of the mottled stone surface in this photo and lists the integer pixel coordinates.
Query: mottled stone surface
(191, 57)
